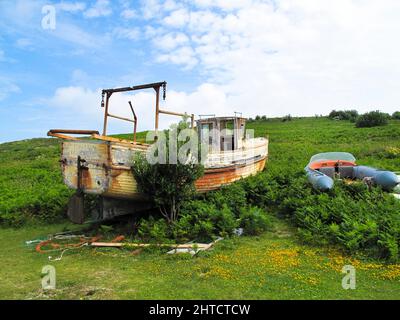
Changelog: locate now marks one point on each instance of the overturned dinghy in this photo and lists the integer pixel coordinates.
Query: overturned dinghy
(324, 167)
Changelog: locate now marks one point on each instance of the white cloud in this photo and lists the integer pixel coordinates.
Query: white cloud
(7, 87)
(300, 57)
(151, 8)
(21, 20)
(171, 41)
(129, 14)
(80, 77)
(79, 107)
(171, 5)
(224, 4)
(100, 9)
(177, 18)
(74, 97)
(20, 13)
(24, 43)
(126, 33)
(184, 56)
(151, 32)
(206, 99)
(289, 56)
(71, 7)
(77, 36)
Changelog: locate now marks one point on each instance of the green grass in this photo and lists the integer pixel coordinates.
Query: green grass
(273, 266)
(31, 182)
(293, 143)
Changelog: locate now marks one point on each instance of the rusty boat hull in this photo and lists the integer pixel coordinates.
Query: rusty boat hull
(102, 165)
(107, 163)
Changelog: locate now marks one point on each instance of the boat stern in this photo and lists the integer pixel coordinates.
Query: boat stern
(84, 165)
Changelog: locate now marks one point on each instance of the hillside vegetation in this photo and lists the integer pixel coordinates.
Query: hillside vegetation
(351, 215)
(277, 207)
(30, 182)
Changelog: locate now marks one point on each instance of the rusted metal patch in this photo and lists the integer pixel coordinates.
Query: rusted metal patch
(94, 174)
(213, 180)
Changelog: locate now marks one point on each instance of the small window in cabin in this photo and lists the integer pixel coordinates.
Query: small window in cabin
(241, 131)
(205, 133)
(205, 130)
(229, 126)
(227, 136)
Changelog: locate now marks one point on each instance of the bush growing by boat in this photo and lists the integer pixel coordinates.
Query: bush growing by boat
(372, 119)
(234, 196)
(204, 221)
(254, 221)
(169, 185)
(201, 220)
(154, 230)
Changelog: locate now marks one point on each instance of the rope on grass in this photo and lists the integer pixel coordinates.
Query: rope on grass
(84, 241)
(62, 253)
(57, 247)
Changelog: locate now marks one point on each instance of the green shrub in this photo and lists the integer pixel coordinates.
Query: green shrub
(218, 213)
(234, 196)
(169, 185)
(154, 230)
(199, 221)
(202, 220)
(396, 115)
(350, 115)
(350, 215)
(254, 221)
(372, 119)
(287, 118)
(31, 184)
(262, 190)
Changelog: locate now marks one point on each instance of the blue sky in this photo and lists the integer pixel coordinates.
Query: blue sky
(301, 57)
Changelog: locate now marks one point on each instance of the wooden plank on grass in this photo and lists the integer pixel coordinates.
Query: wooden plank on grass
(141, 245)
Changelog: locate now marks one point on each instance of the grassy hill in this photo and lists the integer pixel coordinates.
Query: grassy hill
(274, 265)
(31, 182)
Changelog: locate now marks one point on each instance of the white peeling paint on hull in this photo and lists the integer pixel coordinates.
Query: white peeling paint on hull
(108, 164)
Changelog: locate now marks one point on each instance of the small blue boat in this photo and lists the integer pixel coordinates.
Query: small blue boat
(323, 168)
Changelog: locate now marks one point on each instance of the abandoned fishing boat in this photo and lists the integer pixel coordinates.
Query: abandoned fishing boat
(102, 165)
(323, 168)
